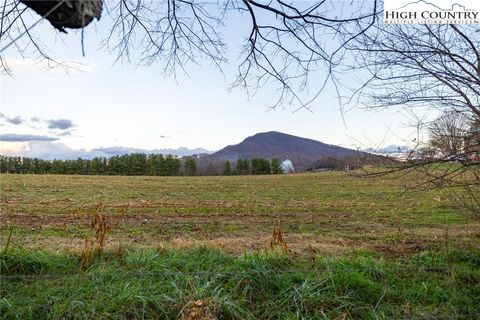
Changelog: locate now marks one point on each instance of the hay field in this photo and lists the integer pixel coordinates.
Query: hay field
(333, 212)
(221, 226)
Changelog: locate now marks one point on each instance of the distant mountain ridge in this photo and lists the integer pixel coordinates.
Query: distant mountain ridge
(303, 152)
(181, 152)
(49, 151)
(388, 149)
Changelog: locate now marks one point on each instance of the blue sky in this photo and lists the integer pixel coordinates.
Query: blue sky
(127, 105)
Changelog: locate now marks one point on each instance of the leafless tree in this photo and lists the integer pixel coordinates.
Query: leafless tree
(412, 66)
(434, 67)
(448, 133)
(293, 45)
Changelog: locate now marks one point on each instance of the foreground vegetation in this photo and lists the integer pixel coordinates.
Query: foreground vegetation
(193, 247)
(202, 283)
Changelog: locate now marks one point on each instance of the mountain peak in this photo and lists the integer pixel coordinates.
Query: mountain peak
(273, 144)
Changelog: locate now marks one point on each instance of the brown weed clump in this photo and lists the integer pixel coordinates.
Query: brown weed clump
(277, 239)
(87, 254)
(101, 226)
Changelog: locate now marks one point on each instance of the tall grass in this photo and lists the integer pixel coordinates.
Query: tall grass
(172, 284)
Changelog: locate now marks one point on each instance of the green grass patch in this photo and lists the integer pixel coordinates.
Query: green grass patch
(262, 285)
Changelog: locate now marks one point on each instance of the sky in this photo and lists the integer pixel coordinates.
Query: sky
(103, 104)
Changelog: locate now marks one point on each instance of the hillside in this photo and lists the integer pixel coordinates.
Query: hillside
(301, 151)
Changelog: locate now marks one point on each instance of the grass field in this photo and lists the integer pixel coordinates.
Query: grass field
(199, 248)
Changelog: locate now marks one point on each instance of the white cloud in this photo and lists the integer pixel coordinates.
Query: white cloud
(48, 69)
(13, 148)
(46, 150)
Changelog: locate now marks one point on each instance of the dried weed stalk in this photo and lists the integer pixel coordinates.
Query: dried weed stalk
(101, 226)
(277, 239)
(120, 251)
(161, 250)
(87, 254)
(312, 252)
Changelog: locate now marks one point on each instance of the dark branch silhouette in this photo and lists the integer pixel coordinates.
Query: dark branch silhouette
(287, 44)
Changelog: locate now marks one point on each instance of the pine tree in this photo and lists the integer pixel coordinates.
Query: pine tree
(276, 166)
(190, 166)
(227, 169)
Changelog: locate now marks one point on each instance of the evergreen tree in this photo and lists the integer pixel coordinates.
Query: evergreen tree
(260, 166)
(190, 166)
(243, 166)
(227, 169)
(276, 165)
(172, 165)
(97, 166)
(129, 164)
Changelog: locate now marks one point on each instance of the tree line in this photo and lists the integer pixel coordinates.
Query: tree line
(254, 166)
(135, 164)
(128, 165)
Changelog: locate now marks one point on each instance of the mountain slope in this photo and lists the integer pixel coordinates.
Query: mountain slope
(301, 151)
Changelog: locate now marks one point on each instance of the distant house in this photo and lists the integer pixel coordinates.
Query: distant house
(472, 144)
(287, 166)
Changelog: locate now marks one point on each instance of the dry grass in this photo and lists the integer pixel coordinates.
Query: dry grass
(329, 213)
(101, 227)
(86, 257)
(199, 310)
(277, 240)
(120, 251)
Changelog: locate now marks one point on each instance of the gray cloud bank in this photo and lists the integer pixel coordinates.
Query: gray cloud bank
(53, 124)
(60, 124)
(14, 137)
(17, 120)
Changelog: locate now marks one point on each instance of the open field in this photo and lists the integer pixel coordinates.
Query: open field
(357, 248)
(332, 212)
